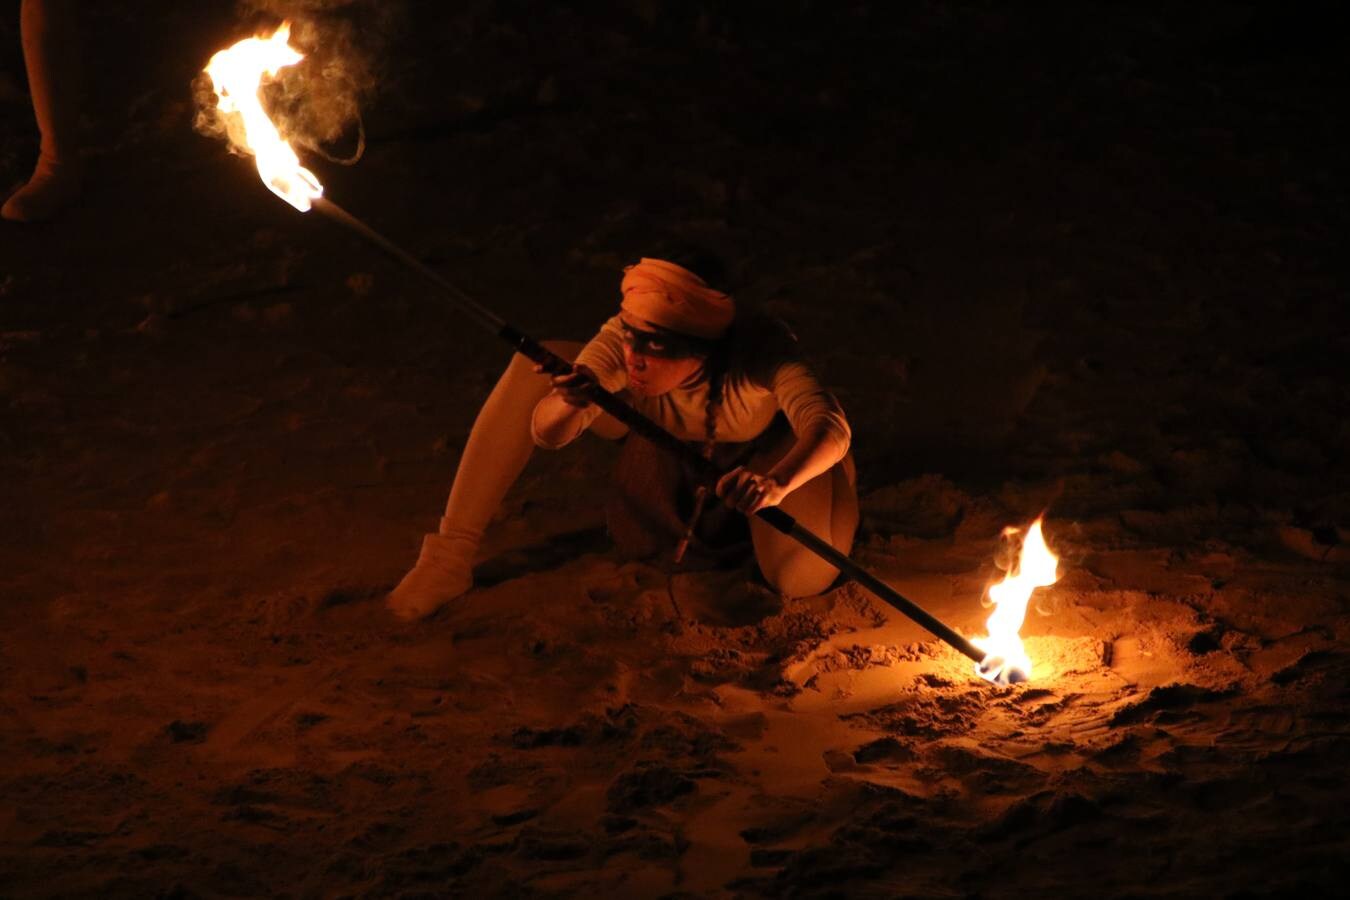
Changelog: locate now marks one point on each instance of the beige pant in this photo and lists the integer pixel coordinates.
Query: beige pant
(500, 445)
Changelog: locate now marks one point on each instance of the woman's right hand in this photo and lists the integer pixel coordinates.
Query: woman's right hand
(574, 387)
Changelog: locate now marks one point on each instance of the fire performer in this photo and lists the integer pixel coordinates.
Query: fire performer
(680, 354)
(675, 349)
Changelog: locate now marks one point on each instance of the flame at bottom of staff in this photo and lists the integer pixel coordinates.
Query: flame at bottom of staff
(1007, 660)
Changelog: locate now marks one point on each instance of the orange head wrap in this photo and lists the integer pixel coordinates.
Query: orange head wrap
(673, 297)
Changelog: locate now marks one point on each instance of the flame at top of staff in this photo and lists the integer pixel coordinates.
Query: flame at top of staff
(1035, 567)
(237, 74)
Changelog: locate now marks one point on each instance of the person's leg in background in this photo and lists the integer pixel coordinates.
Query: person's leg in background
(52, 56)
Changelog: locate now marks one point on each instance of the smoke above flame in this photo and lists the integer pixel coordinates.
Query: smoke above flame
(315, 106)
(237, 76)
(1035, 567)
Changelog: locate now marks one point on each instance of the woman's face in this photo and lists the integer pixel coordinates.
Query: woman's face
(650, 372)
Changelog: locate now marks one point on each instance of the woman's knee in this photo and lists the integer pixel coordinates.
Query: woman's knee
(799, 574)
(568, 350)
(521, 367)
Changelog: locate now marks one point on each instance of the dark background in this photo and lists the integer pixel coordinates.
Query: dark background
(1086, 254)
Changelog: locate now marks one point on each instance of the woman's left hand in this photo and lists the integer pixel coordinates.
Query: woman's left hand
(749, 491)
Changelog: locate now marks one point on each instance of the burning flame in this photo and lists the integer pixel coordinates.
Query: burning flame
(1036, 566)
(237, 74)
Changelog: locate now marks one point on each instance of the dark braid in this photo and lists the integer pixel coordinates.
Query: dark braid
(712, 271)
(716, 368)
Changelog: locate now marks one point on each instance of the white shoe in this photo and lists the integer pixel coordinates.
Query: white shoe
(444, 571)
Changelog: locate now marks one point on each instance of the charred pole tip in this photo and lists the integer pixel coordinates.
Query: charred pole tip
(610, 403)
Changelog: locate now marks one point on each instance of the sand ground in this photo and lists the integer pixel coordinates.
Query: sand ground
(1086, 260)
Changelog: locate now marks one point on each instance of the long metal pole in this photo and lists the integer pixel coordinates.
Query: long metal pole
(706, 471)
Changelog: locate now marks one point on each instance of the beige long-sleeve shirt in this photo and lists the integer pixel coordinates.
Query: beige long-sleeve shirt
(766, 374)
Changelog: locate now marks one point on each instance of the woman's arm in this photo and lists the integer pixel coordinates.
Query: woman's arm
(823, 433)
(813, 454)
(563, 415)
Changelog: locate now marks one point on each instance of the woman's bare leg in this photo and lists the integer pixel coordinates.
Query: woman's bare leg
(826, 505)
(52, 55)
(498, 447)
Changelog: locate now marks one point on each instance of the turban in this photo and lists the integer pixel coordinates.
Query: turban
(674, 298)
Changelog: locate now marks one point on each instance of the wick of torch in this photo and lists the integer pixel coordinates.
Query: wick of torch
(237, 74)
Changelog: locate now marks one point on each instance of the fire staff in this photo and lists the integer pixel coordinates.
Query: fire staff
(669, 314)
(735, 386)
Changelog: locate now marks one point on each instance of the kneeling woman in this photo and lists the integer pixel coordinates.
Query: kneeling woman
(679, 354)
